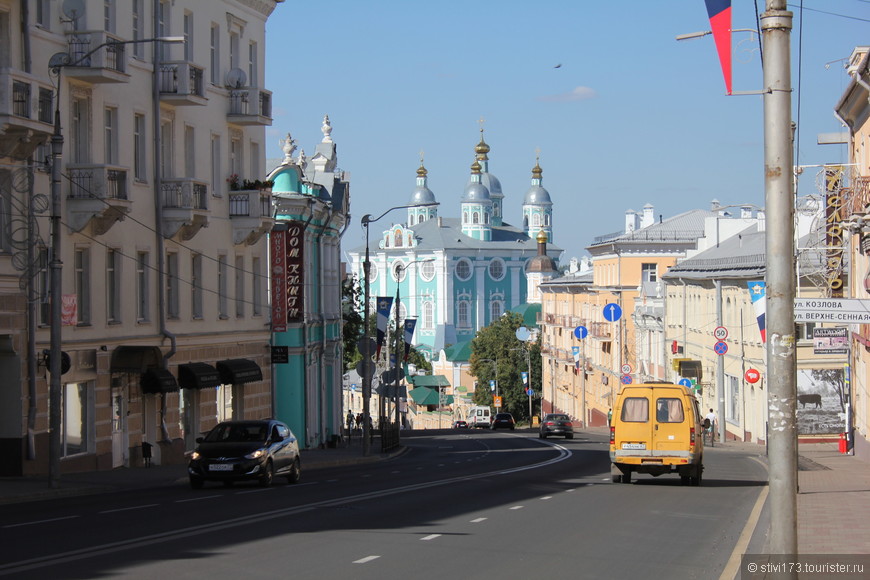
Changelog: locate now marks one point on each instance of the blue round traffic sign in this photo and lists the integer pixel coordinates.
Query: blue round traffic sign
(626, 379)
(686, 383)
(612, 312)
(720, 347)
(580, 332)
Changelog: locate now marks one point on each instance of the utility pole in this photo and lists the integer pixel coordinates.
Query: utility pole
(776, 24)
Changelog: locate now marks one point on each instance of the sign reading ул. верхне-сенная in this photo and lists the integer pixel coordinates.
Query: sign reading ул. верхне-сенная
(841, 310)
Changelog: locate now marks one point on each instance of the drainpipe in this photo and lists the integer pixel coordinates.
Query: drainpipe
(158, 226)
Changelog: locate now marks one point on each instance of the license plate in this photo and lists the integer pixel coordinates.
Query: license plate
(220, 467)
(634, 445)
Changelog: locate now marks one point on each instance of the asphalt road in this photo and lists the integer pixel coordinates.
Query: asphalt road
(459, 504)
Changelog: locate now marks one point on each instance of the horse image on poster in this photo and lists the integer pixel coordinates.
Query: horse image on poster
(821, 402)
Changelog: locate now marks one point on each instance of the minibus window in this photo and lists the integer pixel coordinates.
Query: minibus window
(669, 410)
(635, 410)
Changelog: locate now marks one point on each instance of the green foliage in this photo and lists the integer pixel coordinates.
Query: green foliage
(353, 321)
(496, 349)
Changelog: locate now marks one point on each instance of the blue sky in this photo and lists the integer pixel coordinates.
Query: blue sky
(630, 117)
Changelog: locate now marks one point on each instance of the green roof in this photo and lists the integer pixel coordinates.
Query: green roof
(529, 312)
(459, 352)
(429, 381)
(427, 396)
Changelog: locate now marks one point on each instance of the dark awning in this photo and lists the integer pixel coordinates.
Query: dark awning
(239, 370)
(198, 375)
(135, 359)
(155, 381)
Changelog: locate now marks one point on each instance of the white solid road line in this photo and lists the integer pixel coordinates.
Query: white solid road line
(40, 522)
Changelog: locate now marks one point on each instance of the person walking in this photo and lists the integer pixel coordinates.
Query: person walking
(711, 416)
(349, 421)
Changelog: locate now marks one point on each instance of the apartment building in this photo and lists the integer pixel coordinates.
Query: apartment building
(164, 208)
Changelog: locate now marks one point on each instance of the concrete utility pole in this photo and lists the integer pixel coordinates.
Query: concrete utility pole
(776, 24)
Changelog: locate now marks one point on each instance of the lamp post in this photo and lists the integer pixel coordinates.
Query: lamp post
(367, 356)
(400, 267)
(57, 62)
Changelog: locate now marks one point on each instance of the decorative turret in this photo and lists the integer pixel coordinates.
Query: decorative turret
(489, 180)
(537, 206)
(538, 269)
(423, 204)
(476, 207)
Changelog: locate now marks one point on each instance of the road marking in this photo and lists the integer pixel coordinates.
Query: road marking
(40, 522)
(253, 490)
(430, 537)
(138, 507)
(197, 498)
(477, 520)
(547, 497)
(569, 490)
(733, 565)
(366, 559)
(517, 507)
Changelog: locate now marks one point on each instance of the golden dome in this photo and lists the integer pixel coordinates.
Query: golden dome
(542, 237)
(475, 167)
(421, 172)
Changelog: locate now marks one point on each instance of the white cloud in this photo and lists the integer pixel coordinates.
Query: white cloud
(577, 94)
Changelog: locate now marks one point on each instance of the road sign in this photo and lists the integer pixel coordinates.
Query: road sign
(720, 347)
(525, 376)
(626, 369)
(580, 332)
(626, 379)
(612, 312)
(686, 383)
(496, 402)
(844, 310)
(752, 376)
(530, 392)
(721, 333)
(353, 387)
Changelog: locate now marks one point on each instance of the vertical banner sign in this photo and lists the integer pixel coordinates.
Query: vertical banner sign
(757, 290)
(834, 238)
(384, 304)
(278, 271)
(410, 323)
(719, 12)
(575, 350)
(295, 278)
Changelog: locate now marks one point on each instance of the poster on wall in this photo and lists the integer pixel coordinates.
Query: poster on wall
(830, 341)
(821, 401)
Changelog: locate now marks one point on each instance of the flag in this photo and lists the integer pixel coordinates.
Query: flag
(575, 350)
(759, 304)
(410, 323)
(719, 12)
(384, 304)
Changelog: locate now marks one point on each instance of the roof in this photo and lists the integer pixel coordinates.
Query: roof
(686, 227)
(459, 352)
(429, 381)
(427, 396)
(529, 312)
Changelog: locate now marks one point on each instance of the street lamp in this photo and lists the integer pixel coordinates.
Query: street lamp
(367, 356)
(57, 62)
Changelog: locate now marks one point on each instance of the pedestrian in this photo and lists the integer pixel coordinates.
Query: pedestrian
(349, 424)
(609, 416)
(711, 416)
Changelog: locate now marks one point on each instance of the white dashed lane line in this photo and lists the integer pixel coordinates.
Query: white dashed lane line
(547, 497)
(517, 507)
(197, 498)
(430, 537)
(126, 509)
(40, 522)
(366, 559)
(477, 520)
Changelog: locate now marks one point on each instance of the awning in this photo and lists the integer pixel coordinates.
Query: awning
(427, 396)
(198, 375)
(135, 359)
(237, 371)
(155, 381)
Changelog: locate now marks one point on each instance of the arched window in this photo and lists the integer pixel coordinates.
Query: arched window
(428, 316)
(475, 218)
(411, 220)
(496, 309)
(463, 314)
(496, 269)
(536, 220)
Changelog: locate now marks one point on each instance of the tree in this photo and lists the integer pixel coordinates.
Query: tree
(352, 330)
(497, 354)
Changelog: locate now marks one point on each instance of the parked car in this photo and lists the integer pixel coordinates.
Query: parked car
(556, 424)
(504, 421)
(245, 450)
(460, 424)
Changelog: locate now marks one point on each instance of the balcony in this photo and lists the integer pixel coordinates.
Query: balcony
(108, 64)
(251, 214)
(601, 329)
(250, 106)
(98, 195)
(26, 113)
(185, 206)
(181, 83)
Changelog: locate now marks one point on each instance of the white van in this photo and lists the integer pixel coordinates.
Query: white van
(479, 416)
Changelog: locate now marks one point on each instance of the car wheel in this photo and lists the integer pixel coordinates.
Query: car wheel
(685, 480)
(626, 477)
(696, 479)
(268, 475)
(616, 477)
(295, 472)
(195, 483)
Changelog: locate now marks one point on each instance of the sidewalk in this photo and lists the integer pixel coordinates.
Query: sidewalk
(24, 489)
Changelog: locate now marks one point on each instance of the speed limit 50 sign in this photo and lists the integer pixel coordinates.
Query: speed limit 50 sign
(721, 333)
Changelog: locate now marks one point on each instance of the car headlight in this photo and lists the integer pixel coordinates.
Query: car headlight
(256, 454)
(195, 456)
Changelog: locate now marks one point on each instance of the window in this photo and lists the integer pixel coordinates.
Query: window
(109, 16)
(142, 267)
(224, 403)
(45, 106)
(496, 309)
(83, 285)
(427, 270)
(163, 29)
(77, 419)
(189, 151)
(648, 272)
(79, 124)
(139, 147)
(463, 269)
(216, 165)
(428, 316)
(252, 64)
(732, 394)
(256, 166)
(113, 286)
(166, 149)
(222, 286)
(635, 410)
(236, 157)
(215, 61)
(234, 50)
(240, 286)
(257, 286)
(43, 13)
(110, 135)
(196, 286)
(188, 36)
(669, 410)
(138, 29)
(399, 271)
(475, 217)
(463, 314)
(496, 269)
(172, 285)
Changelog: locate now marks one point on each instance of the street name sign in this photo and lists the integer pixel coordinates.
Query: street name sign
(842, 310)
